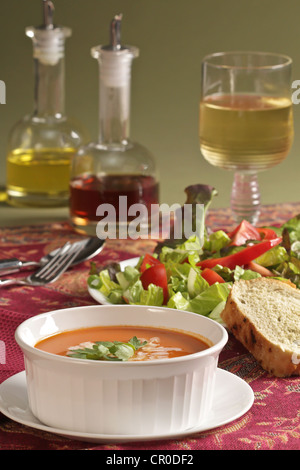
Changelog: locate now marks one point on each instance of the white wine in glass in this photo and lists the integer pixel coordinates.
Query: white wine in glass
(246, 120)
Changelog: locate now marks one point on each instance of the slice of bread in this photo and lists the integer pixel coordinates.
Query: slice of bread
(264, 315)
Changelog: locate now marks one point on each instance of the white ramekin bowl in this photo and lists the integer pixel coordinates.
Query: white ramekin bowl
(128, 398)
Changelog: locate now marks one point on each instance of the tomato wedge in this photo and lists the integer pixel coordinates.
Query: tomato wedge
(241, 257)
(156, 275)
(211, 276)
(244, 231)
(148, 261)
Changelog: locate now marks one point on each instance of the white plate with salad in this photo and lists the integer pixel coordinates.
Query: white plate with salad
(197, 276)
(98, 295)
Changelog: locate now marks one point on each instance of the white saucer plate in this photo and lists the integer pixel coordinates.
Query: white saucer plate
(98, 296)
(233, 397)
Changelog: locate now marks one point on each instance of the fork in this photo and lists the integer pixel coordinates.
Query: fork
(51, 271)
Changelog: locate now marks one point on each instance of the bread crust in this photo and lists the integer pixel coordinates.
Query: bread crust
(270, 356)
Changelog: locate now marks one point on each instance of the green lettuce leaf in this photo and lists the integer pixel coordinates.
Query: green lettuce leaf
(274, 256)
(135, 294)
(195, 283)
(208, 300)
(216, 313)
(216, 241)
(241, 273)
(152, 296)
(293, 228)
(103, 282)
(178, 301)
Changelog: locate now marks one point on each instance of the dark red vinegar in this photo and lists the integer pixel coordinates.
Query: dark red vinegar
(88, 192)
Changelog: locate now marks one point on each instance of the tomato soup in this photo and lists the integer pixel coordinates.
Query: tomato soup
(161, 343)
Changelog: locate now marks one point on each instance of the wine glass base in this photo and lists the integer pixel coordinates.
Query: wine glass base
(245, 197)
(251, 218)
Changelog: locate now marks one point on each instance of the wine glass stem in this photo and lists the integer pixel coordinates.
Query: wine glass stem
(245, 197)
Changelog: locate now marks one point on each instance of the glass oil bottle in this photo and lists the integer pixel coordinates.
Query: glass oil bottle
(42, 144)
(113, 166)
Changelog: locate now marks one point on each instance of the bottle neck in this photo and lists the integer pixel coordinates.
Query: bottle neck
(114, 114)
(49, 91)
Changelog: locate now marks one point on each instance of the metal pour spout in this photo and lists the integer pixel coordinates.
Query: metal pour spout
(115, 32)
(48, 14)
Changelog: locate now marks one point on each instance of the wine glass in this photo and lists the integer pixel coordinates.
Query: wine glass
(246, 120)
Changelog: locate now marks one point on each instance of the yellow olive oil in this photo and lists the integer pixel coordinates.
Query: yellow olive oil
(39, 177)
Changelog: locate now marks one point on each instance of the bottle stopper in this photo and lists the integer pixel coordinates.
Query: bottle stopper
(115, 59)
(48, 39)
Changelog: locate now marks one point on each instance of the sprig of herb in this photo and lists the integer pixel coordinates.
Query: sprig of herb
(108, 350)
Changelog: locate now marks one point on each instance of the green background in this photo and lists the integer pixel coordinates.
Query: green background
(173, 36)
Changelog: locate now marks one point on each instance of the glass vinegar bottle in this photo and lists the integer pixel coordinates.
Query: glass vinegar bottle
(113, 166)
(42, 144)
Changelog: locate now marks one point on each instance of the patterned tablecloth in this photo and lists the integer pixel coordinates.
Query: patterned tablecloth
(273, 422)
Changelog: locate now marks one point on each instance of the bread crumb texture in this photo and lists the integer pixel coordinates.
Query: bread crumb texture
(264, 314)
